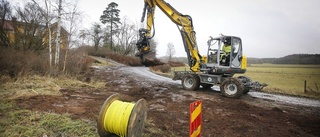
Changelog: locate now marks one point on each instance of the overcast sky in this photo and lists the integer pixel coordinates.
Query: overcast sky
(268, 28)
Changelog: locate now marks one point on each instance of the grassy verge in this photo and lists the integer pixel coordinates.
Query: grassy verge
(42, 85)
(22, 122)
(15, 121)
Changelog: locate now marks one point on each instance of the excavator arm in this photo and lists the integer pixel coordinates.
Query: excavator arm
(184, 24)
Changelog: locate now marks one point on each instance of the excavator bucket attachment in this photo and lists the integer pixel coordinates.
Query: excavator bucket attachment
(146, 55)
(149, 59)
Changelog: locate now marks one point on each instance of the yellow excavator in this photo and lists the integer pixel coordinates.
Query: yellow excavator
(216, 68)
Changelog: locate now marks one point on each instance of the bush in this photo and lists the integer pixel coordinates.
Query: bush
(14, 63)
(105, 53)
(162, 68)
(78, 63)
(176, 64)
(101, 52)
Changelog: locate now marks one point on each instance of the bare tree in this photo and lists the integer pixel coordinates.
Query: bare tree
(73, 17)
(48, 19)
(97, 35)
(84, 36)
(5, 14)
(126, 37)
(48, 24)
(5, 10)
(29, 31)
(94, 34)
(57, 55)
(170, 51)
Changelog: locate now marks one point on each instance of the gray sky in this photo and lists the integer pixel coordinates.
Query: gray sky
(268, 28)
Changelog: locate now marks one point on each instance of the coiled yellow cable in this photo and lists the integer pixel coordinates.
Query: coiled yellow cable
(117, 117)
(122, 119)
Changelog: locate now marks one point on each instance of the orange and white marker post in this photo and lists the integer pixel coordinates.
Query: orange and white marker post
(195, 118)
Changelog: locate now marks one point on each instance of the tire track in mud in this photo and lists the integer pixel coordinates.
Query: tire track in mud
(144, 72)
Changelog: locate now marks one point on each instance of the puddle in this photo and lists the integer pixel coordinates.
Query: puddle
(286, 99)
(177, 97)
(157, 107)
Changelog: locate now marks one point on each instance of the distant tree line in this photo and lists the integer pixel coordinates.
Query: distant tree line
(311, 59)
(307, 59)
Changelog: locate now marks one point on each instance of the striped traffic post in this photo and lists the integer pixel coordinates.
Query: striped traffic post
(195, 118)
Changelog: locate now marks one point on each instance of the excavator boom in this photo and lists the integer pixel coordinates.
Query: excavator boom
(185, 25)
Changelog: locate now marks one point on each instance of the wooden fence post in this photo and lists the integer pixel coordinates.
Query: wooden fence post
(305, 86)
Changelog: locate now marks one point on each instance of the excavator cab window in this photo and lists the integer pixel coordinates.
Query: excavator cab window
(235, 47)
(225, 51)
(213, 52)
(231, 52)
(236, 54)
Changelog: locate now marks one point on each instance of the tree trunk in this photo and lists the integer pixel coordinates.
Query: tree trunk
(111, 31)
(48, 7)
(65, 60)
(50, 46)
(58, 36)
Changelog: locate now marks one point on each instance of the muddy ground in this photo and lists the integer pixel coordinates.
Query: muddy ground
(168, 107)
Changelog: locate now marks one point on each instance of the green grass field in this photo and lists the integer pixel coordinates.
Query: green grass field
(284, 79)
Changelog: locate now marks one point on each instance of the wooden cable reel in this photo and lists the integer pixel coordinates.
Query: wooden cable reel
(124, 119)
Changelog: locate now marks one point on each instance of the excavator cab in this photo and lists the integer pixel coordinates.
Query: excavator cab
(225, 53)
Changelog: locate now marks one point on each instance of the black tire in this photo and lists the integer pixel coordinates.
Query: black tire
(244, 80)
(191, 82)
(231, 88)
(246, 90)
(206, 86)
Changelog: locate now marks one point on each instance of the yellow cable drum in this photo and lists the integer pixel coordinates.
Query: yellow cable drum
(119, 118)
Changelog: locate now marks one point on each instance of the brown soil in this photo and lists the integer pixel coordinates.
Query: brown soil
(168, 108)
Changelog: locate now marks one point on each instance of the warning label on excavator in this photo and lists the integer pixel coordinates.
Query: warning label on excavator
(195, 118)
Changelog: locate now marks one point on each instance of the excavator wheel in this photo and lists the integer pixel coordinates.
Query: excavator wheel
(244, 80)
(190, 82)
(231, 88)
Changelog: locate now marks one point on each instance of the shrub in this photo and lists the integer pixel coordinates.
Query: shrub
(165, 68)
(101, 52)
(78, 64)
(14, 63)
(124, 59)
(176, 64)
